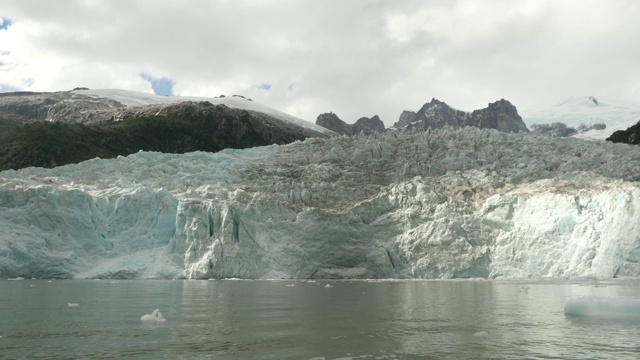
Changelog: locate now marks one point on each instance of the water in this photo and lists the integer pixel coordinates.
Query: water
(307, 320)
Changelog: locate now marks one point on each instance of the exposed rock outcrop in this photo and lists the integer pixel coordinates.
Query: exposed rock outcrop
(500, 115)
(53, 129)
(364, 125)
(64, 106)
(629, 136)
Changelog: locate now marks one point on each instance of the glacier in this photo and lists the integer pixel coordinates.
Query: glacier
(586, 110)
(465, 203)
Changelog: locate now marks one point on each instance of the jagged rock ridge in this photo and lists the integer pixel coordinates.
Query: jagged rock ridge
(364, 125)
(500, 115)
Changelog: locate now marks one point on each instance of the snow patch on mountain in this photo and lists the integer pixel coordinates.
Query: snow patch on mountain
(440, 204)
(586, 110)
(135, 98)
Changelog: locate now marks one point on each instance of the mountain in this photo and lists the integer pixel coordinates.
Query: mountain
(500, 115)
(450, 203)
(363, 125)
(50, 129)
(585, 111)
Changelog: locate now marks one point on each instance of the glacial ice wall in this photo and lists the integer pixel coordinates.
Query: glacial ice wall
(442, 204)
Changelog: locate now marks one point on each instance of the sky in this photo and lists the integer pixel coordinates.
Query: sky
(354, 58)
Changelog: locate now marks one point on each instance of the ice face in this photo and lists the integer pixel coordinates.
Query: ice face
(444, 204)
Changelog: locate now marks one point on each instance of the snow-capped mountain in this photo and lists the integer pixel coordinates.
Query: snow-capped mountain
(586, 110)
(92, 106)
(136, 98)
(119, 123)
(441, 204)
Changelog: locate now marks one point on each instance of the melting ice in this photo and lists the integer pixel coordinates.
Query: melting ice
(444, 204)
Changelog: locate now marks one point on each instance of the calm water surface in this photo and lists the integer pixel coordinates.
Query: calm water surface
(307, 320)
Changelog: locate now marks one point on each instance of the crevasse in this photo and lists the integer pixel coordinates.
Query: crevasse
(441, 204)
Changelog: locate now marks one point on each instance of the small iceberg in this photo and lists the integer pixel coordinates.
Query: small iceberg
(328, 286)
(72, 305)
(155, 316)
(597, 307)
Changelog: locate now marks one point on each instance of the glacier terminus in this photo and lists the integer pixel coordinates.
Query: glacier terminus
(449, 203)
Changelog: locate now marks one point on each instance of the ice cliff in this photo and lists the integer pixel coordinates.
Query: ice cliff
(441, 204)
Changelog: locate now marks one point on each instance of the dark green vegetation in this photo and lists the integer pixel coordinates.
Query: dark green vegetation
(192, 128)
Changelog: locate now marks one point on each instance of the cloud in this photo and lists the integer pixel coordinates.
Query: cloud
(355, 58)
(264, 86)
(160, 86)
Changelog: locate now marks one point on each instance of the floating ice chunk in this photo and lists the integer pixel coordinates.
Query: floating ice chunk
(481, 333)
(16, 278)
(603, 307)
(328, 286)
(155, 316)
(73, 305)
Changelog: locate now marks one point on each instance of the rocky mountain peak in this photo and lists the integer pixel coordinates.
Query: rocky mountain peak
(363, 125)
(500, 115)
(332, 122)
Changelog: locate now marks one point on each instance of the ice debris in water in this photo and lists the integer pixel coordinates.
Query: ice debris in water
(328, 286)
(603, 307)
(155, 316)
(72, 305)
(481, 333)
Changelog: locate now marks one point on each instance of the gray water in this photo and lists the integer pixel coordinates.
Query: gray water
(307, 320)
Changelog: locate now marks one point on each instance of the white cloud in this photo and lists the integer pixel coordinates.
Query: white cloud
(355, 58)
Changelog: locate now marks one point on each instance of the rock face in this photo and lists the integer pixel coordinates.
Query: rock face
(332, 122)
(63, 106)
(629, 136)
(364, 125)
(53, 129)
(500, 115)
(368, 125)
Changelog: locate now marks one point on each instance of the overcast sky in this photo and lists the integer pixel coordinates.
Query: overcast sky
(305, 57)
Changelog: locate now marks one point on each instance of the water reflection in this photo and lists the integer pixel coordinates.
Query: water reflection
(278, 319)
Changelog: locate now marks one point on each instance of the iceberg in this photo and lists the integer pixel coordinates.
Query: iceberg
(465, 203)
(597, 307)
(155, 316)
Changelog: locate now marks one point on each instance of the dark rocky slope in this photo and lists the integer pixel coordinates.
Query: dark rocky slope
(52, 129)
(629, 136)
